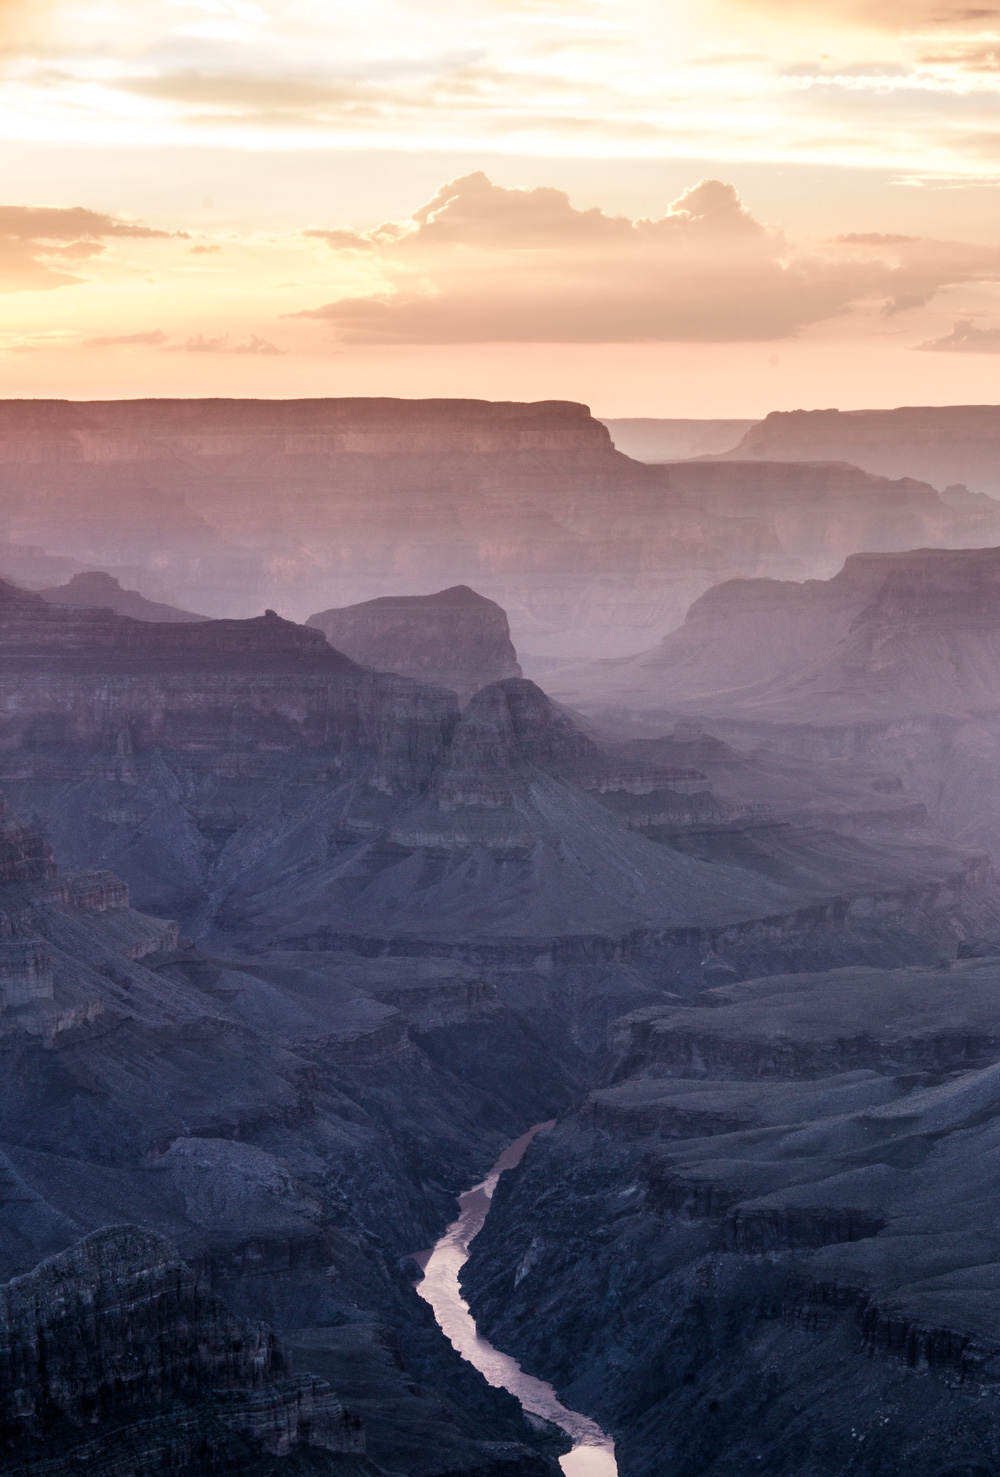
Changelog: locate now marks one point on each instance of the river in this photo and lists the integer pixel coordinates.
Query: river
(593, 1453)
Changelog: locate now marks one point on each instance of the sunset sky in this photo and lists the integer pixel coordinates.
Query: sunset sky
(660, 207)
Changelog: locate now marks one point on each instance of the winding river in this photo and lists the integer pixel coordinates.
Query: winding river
(593, 1453)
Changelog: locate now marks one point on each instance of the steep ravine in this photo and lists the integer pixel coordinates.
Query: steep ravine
(769, 1243)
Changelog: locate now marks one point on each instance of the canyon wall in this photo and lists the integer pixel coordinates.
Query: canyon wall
(941, 444)
(233, 506)
(768, 1242)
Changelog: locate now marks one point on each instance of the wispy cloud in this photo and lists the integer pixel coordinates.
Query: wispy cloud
(150, 338)
(202, 344)
(965, 338)
(37, 241)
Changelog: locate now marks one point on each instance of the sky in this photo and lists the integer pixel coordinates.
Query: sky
(659, 207)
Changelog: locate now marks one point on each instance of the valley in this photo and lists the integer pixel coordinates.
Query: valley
(302, 925)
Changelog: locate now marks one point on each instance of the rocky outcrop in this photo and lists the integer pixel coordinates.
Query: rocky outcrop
(770, 1243)
(302, 505)
(940, 444)
(96, 589)
(115, 1359)
(455, 639)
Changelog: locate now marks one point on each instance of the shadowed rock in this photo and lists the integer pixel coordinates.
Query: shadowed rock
(775, 1233)
(114, 1358)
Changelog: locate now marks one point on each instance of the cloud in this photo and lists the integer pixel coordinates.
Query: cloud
(36, 242)
(965, 338)
(884, 15)
(199, 344)
(480, 263)
(204, 250)
(151, 337)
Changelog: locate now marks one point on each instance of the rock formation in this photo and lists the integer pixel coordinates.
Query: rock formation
(455, 639)
(115, 1359)
(304, 505)
(940, 444)
(769, 1242)
(99, 590)
(404, 930)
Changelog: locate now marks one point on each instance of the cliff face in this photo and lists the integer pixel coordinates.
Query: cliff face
(83, 687)
(940, 444)
(649, 439)
(769, 1243)
(455, 638)
(306, 505)
(890, 635)
(259, 1111)
(893, 664)
(113, 1358)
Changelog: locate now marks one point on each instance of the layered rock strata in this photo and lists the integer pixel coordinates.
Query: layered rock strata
(893, 666)
(115, 1359)
(941, 444)
(304, 505)
(769, 1242)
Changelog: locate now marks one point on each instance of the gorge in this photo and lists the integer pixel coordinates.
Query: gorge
(295, 940)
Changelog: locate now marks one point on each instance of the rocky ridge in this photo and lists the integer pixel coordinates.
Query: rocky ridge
(893, 665)
(249, 779)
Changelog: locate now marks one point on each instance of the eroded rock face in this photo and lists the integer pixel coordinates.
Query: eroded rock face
(894, 664)
(305, 505)
(455, 639)
(115, 1358)
(111, 691)
(769, 1243)
(941, 444)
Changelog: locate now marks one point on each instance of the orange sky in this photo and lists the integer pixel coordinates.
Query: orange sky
(706, 207)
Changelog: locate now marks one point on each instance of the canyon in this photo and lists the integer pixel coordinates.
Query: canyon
(302, 925)
(227, 507)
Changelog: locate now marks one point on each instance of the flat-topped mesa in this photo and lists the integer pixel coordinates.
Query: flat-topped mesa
(242, 504)
(455, 638)
(942, 444)
(141, 430)
(114, 1350)
(97, 590)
